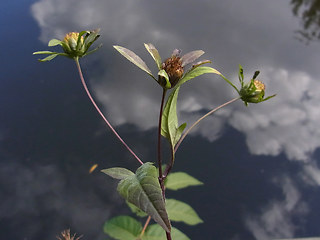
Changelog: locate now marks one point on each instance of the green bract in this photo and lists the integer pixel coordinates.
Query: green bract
(172, 71)
(74, 45)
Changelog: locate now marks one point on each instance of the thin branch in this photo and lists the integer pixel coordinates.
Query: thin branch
(101, 114)
(203, 117)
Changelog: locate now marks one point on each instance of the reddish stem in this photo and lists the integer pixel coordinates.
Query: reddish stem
(101, 114)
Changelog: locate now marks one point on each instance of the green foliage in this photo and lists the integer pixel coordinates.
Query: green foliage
(123, 228)
(169, 126)
(143, 190)
(181, 212)
(155, 232)
(179, 180)
(118, 173)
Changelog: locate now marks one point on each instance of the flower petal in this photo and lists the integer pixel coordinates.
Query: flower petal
(154, 53)
(190, 57)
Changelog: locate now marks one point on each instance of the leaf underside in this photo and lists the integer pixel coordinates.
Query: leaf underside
(143, 190)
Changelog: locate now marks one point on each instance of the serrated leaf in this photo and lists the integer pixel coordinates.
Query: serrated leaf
(195, 72)
(118, 173)
(182, 212)
(143, 190)
(123, 228)
(136, 210)
(154, 54)
(134, 58)
(179, 180)
(54, 42)
(191, 57)
(155, 232)
(169, 124)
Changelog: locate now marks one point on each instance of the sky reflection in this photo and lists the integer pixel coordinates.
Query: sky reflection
(46, 156)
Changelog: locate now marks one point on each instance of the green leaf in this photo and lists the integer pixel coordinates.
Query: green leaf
(164, 74)
(169, 124)
(54, 42)
(136, 210)
(154, 54)
(179, 180)
(123, 228)
(134, 58)
(155, 232)
(240, 74)
(44, 52)
(182, 212)
(143, 190)
(49, 58)
(195, 72)
(118, 173)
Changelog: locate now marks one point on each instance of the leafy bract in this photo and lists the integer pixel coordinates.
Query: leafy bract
(182, 212)
(169, 124)
(195, 72)
(54, 42)
(123, 228)
(118, 173)
(136, 210)
(134, 58)
(154, 53)
(179, 180)
(143, 190)
(155, 232)
(191, 57)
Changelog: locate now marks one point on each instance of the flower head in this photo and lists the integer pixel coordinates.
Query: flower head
(172, 71)
(65, 235)
(74, 45)
(253, 91)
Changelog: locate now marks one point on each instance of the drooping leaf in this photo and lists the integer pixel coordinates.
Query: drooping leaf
(155, 232)
(191, 57)
(179, 180)
(195, 72)
(169, 124)
(136, 210)
(49, 58)
(134, 58)
(154, 53)
(182, 212)
(117, 172)
(54, 42)
(123, 228)
(143, 190)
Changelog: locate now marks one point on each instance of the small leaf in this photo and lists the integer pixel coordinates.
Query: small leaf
(44, 52)
(179, 180)
(123, 228)
(164, 74)
(241, 77)
(118, 173)
(134, 58)
(195, 72)
(54, 42)
(136, 210)
(155, 232)
(154, 53)
(49, 58)
(143, 190)
(182, 212)
(169, 125)
(191, 57)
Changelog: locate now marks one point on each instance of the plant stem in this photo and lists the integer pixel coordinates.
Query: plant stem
(161, 177)
(203, 117)
(145, 227)
(101, 114)
(159, 139)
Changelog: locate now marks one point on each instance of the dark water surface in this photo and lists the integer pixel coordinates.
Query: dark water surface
(259, 164)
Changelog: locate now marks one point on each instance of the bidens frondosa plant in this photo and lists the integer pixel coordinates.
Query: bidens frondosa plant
(144, 190)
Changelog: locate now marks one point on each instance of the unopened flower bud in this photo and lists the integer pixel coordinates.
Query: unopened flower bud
(253, 92)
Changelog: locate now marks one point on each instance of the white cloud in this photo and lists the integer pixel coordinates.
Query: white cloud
(275, 220)
(286, 124)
